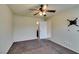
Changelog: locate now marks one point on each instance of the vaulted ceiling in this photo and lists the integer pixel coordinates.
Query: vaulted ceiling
(23, 9)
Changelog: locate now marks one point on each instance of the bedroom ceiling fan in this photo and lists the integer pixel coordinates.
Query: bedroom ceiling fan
(42, 10)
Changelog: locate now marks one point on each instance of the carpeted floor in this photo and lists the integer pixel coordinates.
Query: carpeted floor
(33, 47)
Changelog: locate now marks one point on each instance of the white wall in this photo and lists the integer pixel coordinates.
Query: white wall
(60, 33)
(49, 28)
(24, 28)
(5, 29)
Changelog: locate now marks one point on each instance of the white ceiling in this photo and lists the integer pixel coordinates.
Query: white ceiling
(23, 9)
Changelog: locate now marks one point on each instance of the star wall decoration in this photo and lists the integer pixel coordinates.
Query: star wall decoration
(72, 22)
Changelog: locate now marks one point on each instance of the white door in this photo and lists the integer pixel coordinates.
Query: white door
(43, 29)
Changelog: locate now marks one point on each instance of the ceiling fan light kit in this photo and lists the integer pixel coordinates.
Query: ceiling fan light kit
(42, 13)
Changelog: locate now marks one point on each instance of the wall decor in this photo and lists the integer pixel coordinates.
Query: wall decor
(72, 22)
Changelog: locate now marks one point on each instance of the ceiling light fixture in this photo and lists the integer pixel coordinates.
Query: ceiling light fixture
(42, 13)
(42, 10)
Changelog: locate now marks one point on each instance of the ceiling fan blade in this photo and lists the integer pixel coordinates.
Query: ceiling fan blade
(36, 13)
(51, 11)
(34, 9)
